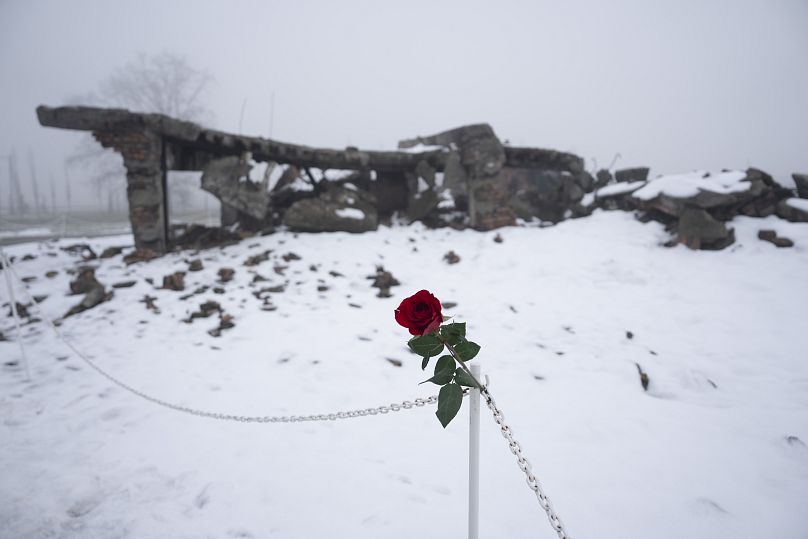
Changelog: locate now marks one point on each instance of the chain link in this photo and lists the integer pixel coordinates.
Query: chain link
(524, 465)
(419, 402)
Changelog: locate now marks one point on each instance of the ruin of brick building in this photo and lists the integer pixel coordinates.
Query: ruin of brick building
(461, 177)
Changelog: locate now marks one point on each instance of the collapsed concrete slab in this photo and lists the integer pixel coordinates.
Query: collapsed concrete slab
(463, 170)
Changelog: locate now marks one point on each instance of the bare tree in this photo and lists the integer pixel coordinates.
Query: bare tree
(164, 83)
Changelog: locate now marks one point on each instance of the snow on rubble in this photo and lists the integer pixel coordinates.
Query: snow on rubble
(567, 316)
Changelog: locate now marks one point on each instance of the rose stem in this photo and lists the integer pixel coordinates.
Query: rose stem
(462, 365)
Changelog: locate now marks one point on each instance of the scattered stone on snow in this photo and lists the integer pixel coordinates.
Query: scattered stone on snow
(109, 252)
(280, 269)
(93, 297)
(394, 362)
(81, 249)
(448, 304)
(643, 377)
(202, 237)
(254, 260)
(384, 281)
(772, 237)
(140, 255)
(206, 309)
(288, 257)
(498, 238)
(124, 284)
(226, 274)
(148, 301)
(28, 279)
(85, 281)
(451, 257)
(22, 310)
(225, 322)
(51, 274)
(174, 281)
(334, 273)
(629, 335)
(195, 265)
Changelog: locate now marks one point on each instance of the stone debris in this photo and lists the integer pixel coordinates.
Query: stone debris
(148, 301)
(94, 292)
(254, 260)
(451, 257)
(772, 237)
(383, 280)
(140, 255)
(226, 274)
(195, 265)
(206, 309)
(225, 322)
(22, 310)
(644, 380)
(109, 252)
(81, 249)
(124, 284)
(174, 281)
(84, 281)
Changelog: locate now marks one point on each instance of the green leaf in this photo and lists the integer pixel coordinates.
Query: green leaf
(445, 318)
(424, 363)
(467, 350)
(450, 398)
(454, 333)
(444, 370)
(426, 345)
(463, 378)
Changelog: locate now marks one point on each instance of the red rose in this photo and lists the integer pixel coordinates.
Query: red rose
(420, 313)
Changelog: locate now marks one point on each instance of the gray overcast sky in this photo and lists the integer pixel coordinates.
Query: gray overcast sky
(675, 85)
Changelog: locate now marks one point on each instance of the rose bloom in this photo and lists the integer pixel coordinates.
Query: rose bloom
(420, 313)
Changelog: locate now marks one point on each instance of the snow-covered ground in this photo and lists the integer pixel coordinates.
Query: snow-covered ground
(715, 448)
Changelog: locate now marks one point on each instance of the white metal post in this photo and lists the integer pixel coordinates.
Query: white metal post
(13, 302)
(474, 458)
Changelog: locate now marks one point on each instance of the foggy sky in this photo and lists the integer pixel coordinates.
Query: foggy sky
(674, 85)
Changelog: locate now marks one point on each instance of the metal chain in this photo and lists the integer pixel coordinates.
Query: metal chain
(394, 407)
(499, 417)
(524, 465)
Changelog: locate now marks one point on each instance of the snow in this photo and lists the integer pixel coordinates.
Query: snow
(38, 231)
(799, 203)
(618, 189)
(350, 213)
(338, 174)
(423, 148)
(551, 307)
(689, 184)
(299, 184)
